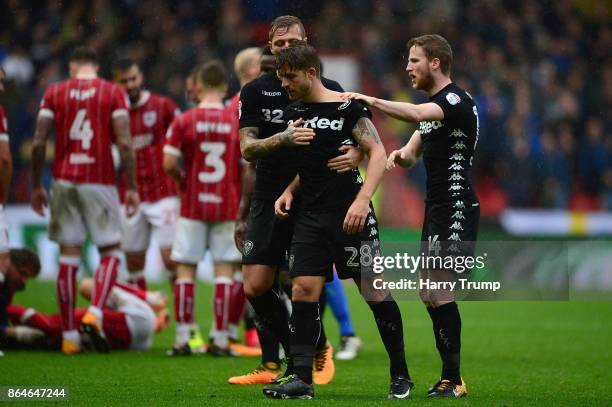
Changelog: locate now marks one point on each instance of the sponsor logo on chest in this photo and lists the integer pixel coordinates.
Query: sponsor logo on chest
(428, 127)
(268, 93)
(323, 123)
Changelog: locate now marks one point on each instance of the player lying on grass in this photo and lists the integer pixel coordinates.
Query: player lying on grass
(21, 265)
(130, 320)
(334, 223)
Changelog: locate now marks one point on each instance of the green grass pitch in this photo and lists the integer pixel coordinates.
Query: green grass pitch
(514, 354)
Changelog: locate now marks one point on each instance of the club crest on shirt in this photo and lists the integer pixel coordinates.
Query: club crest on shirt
(149, 118)
(247, 247)
(344, 105)
(453, 98)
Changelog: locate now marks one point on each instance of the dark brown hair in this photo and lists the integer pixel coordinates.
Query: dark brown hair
(212, 74)
(299, 57)
(83, 55)
(285, 22)
(25, 258)
(435, 46)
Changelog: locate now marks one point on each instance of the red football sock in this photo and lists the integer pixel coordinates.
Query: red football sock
(66, 289)
(237, 302)
(183, 301)
(105, 278)
(222, 303)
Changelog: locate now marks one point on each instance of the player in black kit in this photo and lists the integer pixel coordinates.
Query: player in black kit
(263, 134)
(334, 223)
(446, 138)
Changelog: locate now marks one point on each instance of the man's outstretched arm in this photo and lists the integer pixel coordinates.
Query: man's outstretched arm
(408, 112)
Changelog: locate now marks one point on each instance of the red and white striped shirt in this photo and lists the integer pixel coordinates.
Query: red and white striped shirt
(3, 138)
(149, 121)
(82, 110)
(207, 139)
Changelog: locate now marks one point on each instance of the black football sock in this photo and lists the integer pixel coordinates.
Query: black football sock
(390, 327)
(269, 345)
(447, 331)
(322, 340)
(272, 314)
(305, 329)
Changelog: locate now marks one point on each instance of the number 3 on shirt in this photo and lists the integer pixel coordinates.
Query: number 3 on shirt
(81, 129)
(213, 151)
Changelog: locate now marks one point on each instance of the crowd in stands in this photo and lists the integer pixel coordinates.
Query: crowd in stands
(540, 72)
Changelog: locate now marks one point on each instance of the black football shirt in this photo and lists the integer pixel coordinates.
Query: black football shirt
(448, 146)
(322, 189)
(262, 105)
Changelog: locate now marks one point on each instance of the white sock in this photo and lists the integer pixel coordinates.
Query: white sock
(72, 335)
(97, 312)
(182, 334)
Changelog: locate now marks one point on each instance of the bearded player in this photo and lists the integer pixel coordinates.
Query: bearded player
(150, 116)
(446, 139)
(88, 115)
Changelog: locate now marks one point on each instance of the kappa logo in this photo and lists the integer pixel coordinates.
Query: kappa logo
(456, 177)
(455, 167)
(456, 226)
(149, 118)
(458, 215)
(457, 157)
(457, 133)
(454, 237)
(459, 205)
(453, 98)
(459, 145)
(247, 247)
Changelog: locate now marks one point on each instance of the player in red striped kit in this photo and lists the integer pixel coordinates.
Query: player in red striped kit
(88, 115)
(206, 138)
(6, 171)
(129, 319)
(150, 116)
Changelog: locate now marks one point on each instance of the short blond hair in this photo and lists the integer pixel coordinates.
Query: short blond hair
(245, 58)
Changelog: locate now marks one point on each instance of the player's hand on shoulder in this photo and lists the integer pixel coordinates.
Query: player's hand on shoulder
(239, 233)
(132, 202)
(295, 135)
(355, 218)
(39, 200)
(348, 161)
(282, 206)
(368, 100)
